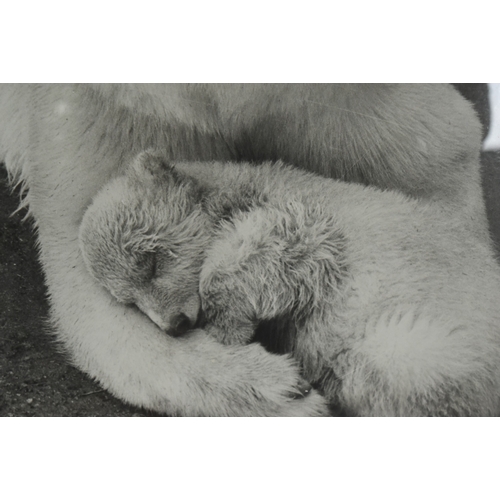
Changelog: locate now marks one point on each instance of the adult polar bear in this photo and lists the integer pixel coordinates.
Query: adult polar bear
(65, 141)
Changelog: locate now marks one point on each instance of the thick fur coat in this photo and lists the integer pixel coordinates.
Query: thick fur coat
(64, 142)
(394, 310)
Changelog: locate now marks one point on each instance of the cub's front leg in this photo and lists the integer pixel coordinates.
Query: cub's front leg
(280, 260)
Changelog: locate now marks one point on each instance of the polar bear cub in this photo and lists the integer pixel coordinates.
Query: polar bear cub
(394, 308)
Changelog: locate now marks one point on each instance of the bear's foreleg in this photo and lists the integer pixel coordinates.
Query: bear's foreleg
(284, 260)
(115, 344)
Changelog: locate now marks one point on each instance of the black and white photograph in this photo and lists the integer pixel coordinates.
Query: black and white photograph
(297, 250)
(243, 211)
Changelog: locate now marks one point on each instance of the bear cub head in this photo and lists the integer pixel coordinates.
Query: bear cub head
(144, 237)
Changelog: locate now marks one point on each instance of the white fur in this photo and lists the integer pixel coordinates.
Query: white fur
(396, 306)
(64, 142)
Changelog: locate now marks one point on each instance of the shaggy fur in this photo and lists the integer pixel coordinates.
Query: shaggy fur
(64, 142)
(392, 316)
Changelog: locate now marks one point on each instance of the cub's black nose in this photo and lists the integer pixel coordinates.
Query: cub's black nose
(201, 320)
(180, 325)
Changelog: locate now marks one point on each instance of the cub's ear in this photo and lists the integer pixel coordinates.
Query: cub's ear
(150, 165)
(151, 169)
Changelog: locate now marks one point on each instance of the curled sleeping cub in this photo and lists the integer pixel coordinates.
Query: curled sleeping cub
(394, 307)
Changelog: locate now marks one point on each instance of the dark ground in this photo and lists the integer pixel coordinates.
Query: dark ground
(35, 378)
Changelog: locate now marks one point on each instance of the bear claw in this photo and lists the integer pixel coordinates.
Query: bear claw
(304, 388)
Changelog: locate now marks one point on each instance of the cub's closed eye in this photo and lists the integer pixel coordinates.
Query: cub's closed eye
(123, 299)
(160, 262)
(154, 265)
